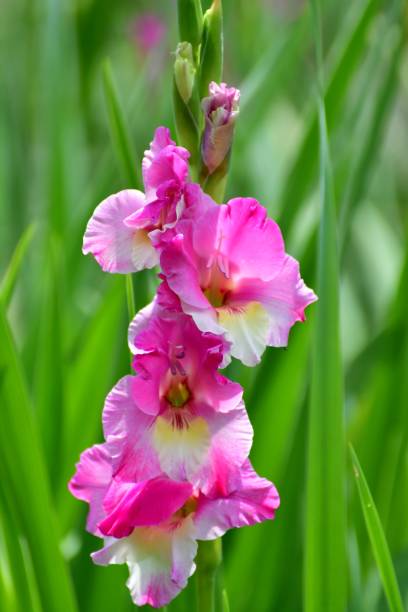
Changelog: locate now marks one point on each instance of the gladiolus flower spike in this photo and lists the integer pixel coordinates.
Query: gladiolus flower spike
(173, 468)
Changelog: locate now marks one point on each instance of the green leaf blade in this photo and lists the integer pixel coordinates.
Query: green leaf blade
(325, 572)
(119, 128)
(11, 276)
(377, 538)
(23, 471)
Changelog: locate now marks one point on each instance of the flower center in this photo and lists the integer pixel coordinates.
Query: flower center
(178, 395)
(215, 295)
(188, 508)
(216, 283)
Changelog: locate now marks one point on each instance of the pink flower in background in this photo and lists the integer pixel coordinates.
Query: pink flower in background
(154, 525)
(179, 415)
(148, 30)
(232, 275)
(221, 110)
(119, 232)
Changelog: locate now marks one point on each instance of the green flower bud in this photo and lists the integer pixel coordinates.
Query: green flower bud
(184, 70)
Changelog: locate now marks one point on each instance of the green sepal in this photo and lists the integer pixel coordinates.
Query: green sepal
(215, 184)
(188, 126)
(211, 55)
(190, 19)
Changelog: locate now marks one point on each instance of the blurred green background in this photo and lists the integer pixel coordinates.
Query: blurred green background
(69, 319)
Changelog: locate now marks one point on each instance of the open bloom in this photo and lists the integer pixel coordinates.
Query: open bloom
(179, 416)
(232, 275)
(154, 525)
(221, 109)
(119, 232)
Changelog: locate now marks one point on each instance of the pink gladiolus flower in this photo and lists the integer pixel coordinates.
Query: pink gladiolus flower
(148, 30)
(179, 415)
(154, 525)
(232, 275)
(220, 112)
(174, 466)
(119, 232)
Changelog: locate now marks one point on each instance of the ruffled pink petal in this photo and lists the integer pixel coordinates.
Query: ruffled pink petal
(165, 304)
(251, 242)
(182, 274)
(247, 327)
(115, 246)
(231, 436)
(163, 212)
(285, 298)
(197, 202)
(146, 391)
(160, 141)
(127, 432)
(91, 481)
(146, 503)
(160, 561)
(167, 301)
(221, 393)
(164, 161)
(255, 500)
(139, 322)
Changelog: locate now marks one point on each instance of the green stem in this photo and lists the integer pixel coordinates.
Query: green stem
(130, 297)
(208, 560)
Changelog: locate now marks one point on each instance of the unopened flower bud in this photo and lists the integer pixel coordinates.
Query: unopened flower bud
(220, 109)
(184, 70)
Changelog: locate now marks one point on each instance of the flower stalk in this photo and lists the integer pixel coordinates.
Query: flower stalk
(209, 558)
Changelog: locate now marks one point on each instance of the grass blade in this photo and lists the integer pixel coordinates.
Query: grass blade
(120, 136)
(348, 52)
(11, 276)
(119, 128)
(89, 379)
(49, 391)
(24, 476)
(325, 555)
(377, 538)
(370, 143)
(274, 405)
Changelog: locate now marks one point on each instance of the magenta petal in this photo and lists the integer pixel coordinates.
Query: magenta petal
(252, 242)
(139, 322)
(147, 503)
(160, 561)
(217, 390)
(182, 275)
(231, 439)
(285, 298)
(164, 161)
(127, 432)
(115, 246)
(91, 481)
(255, 500)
